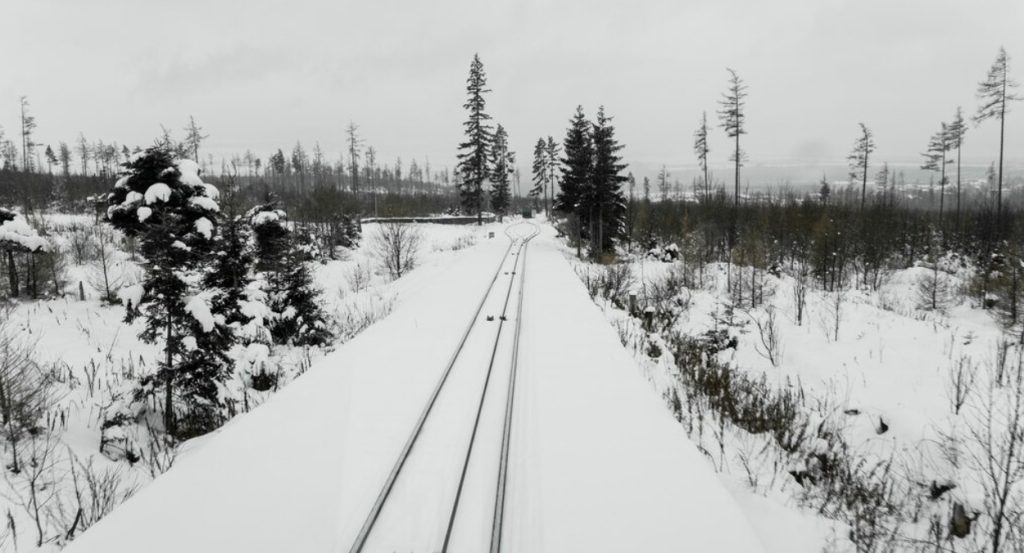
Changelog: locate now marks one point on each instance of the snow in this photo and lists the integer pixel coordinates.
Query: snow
(199, 307)
(211, 191)
(189, 171)
(157, 192)
(204, 227)
(189, 342)
(131, 295)
(598, 463)
(143, 213)
(17, 231)
(202, 202)
(264, 217)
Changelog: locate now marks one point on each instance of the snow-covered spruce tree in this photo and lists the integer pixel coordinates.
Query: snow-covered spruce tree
(607, 204)
(475, 152)
(161, 201)
(576, 172)
(503, 165)
(296, 316)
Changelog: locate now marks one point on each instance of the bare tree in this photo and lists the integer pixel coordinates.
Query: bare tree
(771, 340)
(396, 245)
(961, 383)
(996, 432)
(101, 276)
(25, 391)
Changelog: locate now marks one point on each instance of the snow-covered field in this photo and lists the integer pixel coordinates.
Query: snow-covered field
(906, 388)
(598, 461)
(92, 358)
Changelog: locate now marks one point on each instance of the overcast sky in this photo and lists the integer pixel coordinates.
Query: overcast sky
(261, 75)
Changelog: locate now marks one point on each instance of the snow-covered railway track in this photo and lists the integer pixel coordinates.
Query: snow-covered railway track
(431, 500)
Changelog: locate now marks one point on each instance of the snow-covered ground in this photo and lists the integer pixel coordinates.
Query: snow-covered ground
(888, 384)
(92, 357)
(598, 463)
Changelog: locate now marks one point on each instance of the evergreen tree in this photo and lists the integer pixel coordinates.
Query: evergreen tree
(354, 152)
(65, 159)
(663, 186)
(28, 126)
(163, 203)
(475, 152)
(732, 117)
(553, 151)
(277, 163)
(858, 158)
(995, 93)
(193, 138)
(957, 130)
(51, 159)
(577, 166)
(935, 160)
(540, 172)
(608, 205)
(292, 297)
(300, 162)
(700, 148)
(503, 163)
(882, 178)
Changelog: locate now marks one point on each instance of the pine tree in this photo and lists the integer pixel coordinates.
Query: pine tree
(193, 138)
(608, 204)
(996, 92)
(475, 152)
(700, 148)
(283, 258)
(354, 153)
(553, 151)
(163, 203)
(28, 126)
(51, 159)
(663, 185)
(935, 160)
(732, 117)
(503, 163)
(300, 162)
(84, 152)
(858, 158)
(957, 130)
(882, 179)
(65, 159)
(540, 172)
(577, 167)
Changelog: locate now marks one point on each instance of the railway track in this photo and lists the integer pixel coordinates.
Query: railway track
(447, 398)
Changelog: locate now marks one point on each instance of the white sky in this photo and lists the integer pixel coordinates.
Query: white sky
(263, 74)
